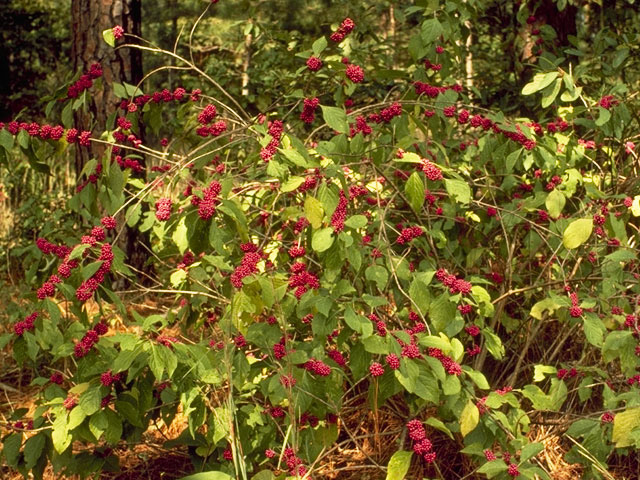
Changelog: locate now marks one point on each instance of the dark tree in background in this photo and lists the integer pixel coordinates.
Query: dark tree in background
(34, 54)
(89, 19)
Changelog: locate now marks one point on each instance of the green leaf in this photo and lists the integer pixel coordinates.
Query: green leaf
(292, 184)
(319, 45)
(539, 82)
(264, 475)
(414, 189)
(336, 118)
(604, 116)
(551, 93)
(431, 30)
(294, 157)
(11, 448)
(493, 344)
(594, 329)
(577, 233)
(33, 449)
(113, 433)
(212, 475)
(469, 418)
(180, 236)
(177, 278)
(540, 372)
(458, 189)
(6, 139)
(623, 424)
(60, 434)
(76, 417)
(109, 37)
(493, 468)
(98, 423)
(313, 211)
(478, 378)
(78, 251)
(358, 323)
(399, 464)
(530, 450)
(439, 425)
(90, 400)
(322, 239)
(378, 274)
(441, 312)
(555, 203)
(356, 221)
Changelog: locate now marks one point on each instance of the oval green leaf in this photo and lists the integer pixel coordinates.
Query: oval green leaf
(577, 233)
(399, 465)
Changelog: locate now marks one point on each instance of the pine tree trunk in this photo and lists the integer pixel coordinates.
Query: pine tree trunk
(89, 19)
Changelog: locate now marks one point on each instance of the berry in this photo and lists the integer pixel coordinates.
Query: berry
(314, 64)
(118, 32)
(163, 209)
(376, 369)
(393, 361)
(355, 73)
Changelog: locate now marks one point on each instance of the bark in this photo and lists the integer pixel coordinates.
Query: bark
(89, 18)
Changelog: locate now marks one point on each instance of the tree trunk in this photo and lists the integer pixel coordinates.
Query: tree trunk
(89, 19)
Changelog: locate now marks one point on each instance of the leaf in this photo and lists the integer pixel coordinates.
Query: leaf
(98, 423)
(530, 450)
(541, 306)
(635, 206)
(313, 211)
(493, 344)
(623, 424)
(336, 118)
(292, 184)
(550, 94)
(78, 251)
(90, 400)
(319, 45)
(378, 274)
(431, 30)
(555, 203)
(594, 329)
(439, 425)
(358, 323)
(294, 157)
(356, 221)
(577, 233)
(414, 189)
(11, 448)
(469, 418)
(493, 468)
(604, 116)
(478, 378)
(399, 464)
(6, 139)
(322, 239)
(211, 475)
(458, 189)
(539, 82)
(177, 278)
(540, 371)
(60, 434)
(180, 237)
(109, 37)
(33, 449)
